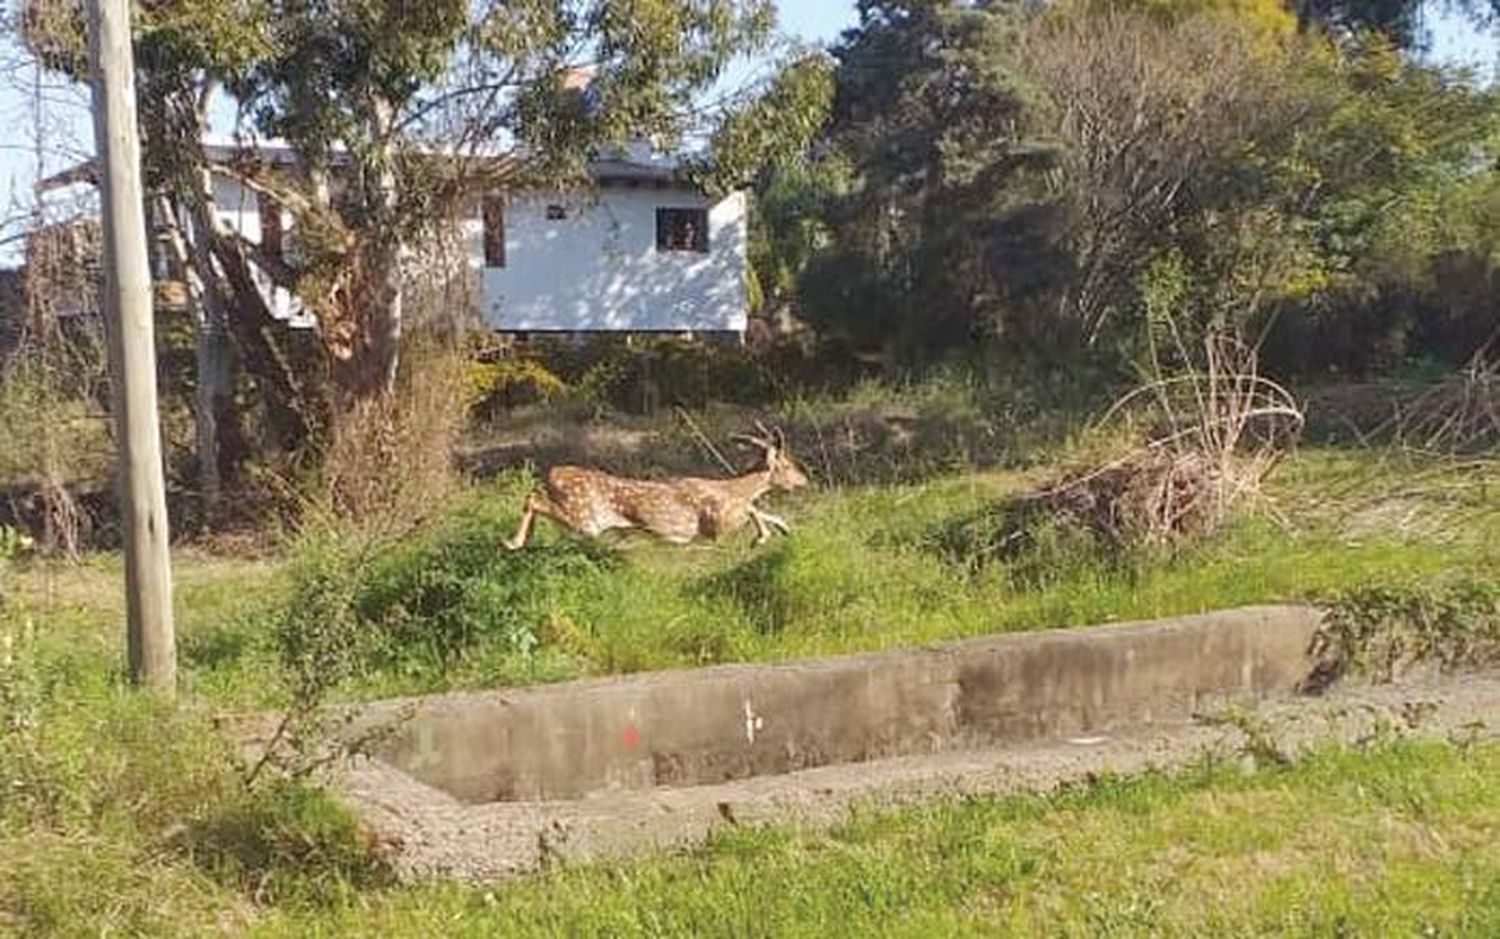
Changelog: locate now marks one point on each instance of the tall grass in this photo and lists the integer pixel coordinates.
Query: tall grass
(865, 568)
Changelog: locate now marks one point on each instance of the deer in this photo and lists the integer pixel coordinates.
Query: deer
(680, 510)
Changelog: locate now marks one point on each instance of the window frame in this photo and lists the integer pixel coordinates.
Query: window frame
(272, 229)
(665, 229)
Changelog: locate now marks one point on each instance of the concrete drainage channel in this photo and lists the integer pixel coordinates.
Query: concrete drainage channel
(489, 784)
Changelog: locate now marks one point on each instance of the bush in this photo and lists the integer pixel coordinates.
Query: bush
(391, 461)
(106, 792)
(417, 605)
(1037, 548)
(433, 600)
(1381, 631)
(499, 385)
(288, 842)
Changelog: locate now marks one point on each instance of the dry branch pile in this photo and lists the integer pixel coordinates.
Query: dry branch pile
(1458, 415)
(1206, 441)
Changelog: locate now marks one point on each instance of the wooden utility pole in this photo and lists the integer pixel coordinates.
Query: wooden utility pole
(132, 350)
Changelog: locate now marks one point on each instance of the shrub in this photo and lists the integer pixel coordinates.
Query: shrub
(390, 461)
(1037, 548)
(368, 605)
(288, 842)
(499, 385)
(434, 599)
(1381, 631)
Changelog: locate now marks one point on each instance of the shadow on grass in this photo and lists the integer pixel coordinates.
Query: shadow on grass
(757, 587)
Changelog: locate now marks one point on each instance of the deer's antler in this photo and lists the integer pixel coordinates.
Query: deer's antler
(765, 439)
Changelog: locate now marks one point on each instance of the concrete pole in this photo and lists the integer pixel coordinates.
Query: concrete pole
(132, 347)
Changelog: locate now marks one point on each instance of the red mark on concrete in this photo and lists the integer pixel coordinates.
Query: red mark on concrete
(632, 736)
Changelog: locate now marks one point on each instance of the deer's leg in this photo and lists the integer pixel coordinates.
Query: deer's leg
(764, 518)
(536, 504)
(523, 533)
(761, 532)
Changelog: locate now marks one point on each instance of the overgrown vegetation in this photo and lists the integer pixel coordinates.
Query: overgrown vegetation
(1383, 630)
(1010, 217)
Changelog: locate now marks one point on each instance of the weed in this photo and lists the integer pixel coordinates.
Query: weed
(1259, 746)
(1380, 631)
(290, 843)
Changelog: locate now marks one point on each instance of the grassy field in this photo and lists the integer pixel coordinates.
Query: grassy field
(867, 567)
(118, 815)
(1400, 839)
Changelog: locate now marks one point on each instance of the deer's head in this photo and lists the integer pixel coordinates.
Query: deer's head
(784, 472)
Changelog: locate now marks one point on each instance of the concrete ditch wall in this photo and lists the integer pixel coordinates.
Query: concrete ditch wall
(585, 739)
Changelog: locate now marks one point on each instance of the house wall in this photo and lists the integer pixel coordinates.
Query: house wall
(599, 268)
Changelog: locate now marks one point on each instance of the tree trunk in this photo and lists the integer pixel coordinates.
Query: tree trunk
(374, 350)
(290, 388)
(366, 366)
(220, 446)
(219, 443)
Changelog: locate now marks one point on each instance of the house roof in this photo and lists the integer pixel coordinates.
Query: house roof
(616, 169)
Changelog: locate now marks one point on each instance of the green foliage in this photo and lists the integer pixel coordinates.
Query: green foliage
(441, 598)
(1212, 849)
(773, 129)
(1380, 631)
(506, 383)
(1010, 176)
(50, 421)
(287, 843)
(119, 813)
(938, 236)
(1034, 547)
(1400, 21)
(641, 375)
(423, 606)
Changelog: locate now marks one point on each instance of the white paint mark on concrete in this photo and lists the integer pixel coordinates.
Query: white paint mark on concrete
(753, 722)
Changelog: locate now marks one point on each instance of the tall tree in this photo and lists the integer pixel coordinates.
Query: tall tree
(933, 233)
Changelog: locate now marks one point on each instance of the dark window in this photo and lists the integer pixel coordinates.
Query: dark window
(682, 230)
(556, 213)
(494, 231)
(270, 224)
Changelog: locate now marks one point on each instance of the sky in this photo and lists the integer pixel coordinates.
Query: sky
(67, 137)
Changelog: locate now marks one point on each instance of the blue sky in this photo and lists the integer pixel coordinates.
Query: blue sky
(68, 135)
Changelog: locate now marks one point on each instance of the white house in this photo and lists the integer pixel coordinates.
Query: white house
(642, 250)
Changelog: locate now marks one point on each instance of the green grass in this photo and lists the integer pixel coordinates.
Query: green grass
(866, 568)
(1393, 842)
(1401, 839)
(117, 815)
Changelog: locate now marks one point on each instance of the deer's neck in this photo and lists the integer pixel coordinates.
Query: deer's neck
(751, 486)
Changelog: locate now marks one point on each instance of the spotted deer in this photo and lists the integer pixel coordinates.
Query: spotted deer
(680, 510)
